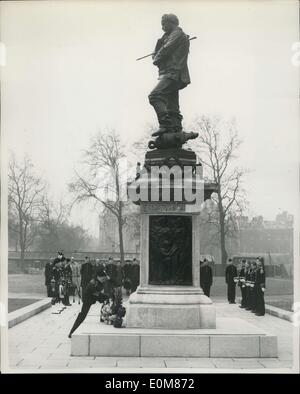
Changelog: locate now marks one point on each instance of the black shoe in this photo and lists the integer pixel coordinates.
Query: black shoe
(70, 336)
(259, 314)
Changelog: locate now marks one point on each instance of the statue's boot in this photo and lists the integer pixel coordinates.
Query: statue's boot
(176, 119)
(165, 125)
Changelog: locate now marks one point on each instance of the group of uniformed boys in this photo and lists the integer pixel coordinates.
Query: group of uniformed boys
(58, 279)
(252, 281)
(250, 277)
(65, 277)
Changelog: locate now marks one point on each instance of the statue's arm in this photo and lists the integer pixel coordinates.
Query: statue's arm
(171, 43)
(159, 44)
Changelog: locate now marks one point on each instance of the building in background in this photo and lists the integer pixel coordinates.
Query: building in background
(250, 238)
(109, 235)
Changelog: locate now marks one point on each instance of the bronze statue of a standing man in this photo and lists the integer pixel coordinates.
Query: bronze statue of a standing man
(171, 53)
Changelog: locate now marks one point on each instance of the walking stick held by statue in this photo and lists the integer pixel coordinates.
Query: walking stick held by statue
(151, 54)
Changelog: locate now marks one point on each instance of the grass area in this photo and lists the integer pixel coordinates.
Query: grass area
(286, 303)
(274, 286)
(17, 303)
(28, 284)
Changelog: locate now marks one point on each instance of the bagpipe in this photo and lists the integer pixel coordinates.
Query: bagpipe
(239, 280)
(63, 285)
(250, 283)
(52, 286)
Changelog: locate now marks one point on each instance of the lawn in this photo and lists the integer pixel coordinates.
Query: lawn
(17, 303)
(274, 286)
(279, 292)
(27, 284)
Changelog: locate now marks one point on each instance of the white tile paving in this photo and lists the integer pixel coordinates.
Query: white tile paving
(41, 343)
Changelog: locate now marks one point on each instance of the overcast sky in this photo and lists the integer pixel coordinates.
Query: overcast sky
(71, 71)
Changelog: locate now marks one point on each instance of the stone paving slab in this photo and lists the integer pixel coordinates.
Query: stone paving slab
(276, 364)
(40, 343)
(201, 363)
(253, 364)
(149, 362)
(130, 363)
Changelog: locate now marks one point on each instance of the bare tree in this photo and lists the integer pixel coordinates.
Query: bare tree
(108, 222)
(25, 195)
(51, 218)
(13, 231)
(217, 146)
(102, 181)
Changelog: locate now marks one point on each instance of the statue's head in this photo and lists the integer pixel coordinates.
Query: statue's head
(169, 22)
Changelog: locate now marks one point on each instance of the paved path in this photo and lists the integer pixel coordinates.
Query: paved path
(41, 343)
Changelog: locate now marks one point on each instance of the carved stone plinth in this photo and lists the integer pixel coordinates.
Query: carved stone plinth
(170, 308)
(169, 295)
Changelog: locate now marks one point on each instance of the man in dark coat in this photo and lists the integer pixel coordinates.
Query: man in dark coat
(171, 53)
(259, 289)
(94, 291)
(248, 276)
(135, 275)
(252, 281)
(206, 277)
(127, 277)
(118, 277)
(110, 267)
(67, 281)
(108, 284)
(242, 279)
(56, 275)
(86, 272)
(48, 276)
(230, 274)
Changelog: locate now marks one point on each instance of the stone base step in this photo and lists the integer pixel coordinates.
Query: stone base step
(232, 338)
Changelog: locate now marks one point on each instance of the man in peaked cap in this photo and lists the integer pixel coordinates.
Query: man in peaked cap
(86, 272)
(92, 293)
(230, 274)
(206, 277)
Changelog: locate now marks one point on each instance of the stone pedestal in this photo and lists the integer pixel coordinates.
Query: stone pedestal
(171, 308)
(169, 295)
(233, 337)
